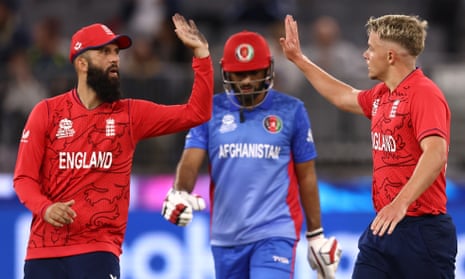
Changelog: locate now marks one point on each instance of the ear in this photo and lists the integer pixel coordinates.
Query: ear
(390, 56)
(81, 63)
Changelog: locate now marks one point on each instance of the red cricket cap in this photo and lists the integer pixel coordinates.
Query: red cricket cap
(95, 36)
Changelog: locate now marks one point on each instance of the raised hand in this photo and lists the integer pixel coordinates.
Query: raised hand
(190, 35)
(290, 44)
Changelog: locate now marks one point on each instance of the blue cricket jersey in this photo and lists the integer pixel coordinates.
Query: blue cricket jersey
(254, 189)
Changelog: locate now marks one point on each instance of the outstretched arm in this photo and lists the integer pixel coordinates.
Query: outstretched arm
(190, 35)
(340, 94)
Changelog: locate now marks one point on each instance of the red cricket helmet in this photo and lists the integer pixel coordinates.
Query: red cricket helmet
(246, 51)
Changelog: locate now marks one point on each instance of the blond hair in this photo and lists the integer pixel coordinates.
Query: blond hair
(408, 31)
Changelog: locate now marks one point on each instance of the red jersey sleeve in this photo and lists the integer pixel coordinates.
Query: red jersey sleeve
(30, 156)
(430, 115)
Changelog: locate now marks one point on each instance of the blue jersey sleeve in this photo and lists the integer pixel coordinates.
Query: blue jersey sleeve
(197, 137)
(303, 146)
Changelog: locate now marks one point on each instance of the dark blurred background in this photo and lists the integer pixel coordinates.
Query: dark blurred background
(34, 44)
(34, 64)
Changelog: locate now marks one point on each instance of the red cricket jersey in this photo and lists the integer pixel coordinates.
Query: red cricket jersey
(69, 152)
(399, 121)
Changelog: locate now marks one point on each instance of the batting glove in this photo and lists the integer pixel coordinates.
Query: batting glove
(323, 254)
(178, 206)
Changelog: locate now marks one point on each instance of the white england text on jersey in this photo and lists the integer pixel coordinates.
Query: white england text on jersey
(383, 142)
(85, 160)
(249, 150)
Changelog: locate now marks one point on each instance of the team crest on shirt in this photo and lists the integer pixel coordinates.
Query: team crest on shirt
(228, 124)
(110, 127)
(65, 129)
(273, 124)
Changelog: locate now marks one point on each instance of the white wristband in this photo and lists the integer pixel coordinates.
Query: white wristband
(314, 233)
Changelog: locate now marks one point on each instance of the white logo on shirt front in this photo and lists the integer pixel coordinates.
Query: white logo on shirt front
(113, 276)
(228, 124)
(110, 127)
(65, 129)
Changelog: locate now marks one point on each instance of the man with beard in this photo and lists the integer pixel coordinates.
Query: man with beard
(261, 161)
(76, 151)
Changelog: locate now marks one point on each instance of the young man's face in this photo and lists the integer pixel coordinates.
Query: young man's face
(377, 57)
(250, 85)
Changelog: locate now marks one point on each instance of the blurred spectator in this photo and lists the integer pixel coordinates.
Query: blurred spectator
(448, 14)
(152, 19)
(23, 91)
(344, 59)
(288, 78)
(333, 53)
(262, 11)
(48, 55)
(142, 61)
(13, 34)
(146, 17)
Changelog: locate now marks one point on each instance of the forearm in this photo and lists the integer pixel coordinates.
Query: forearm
(30, 195)
(185, 179)
(335, 91)
(429, 167)
(311, 205)
(309, 194)
(188, 169)
(200, 102)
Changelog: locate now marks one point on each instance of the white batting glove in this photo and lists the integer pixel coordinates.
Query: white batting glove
(178, 206)
(323, 254)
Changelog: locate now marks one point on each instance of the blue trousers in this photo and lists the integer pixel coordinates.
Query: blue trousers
(420, 247)
(95, 265)
(272, 258)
